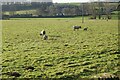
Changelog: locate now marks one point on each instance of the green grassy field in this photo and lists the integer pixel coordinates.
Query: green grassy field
(67, 54)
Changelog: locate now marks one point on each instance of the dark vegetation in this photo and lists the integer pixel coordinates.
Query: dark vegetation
(43, 10)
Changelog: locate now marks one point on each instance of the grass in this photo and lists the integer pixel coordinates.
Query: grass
(67, 54)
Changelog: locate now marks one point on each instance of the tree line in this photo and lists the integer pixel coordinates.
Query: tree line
(63, 9)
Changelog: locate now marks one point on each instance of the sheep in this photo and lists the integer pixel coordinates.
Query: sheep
(76, 27)
(42, 32)
(45, 37)
(85, 29)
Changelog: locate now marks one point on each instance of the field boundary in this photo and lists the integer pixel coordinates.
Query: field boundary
(119, 25)
(0, 38)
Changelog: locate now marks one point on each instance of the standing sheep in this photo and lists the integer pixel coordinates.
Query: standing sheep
(76, 27)
(42, 32)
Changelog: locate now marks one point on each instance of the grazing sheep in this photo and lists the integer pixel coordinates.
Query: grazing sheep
(45, 37)
(76, 27)
(42, 32)
(85, 29)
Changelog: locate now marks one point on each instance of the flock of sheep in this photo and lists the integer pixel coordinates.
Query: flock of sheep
(45, 37)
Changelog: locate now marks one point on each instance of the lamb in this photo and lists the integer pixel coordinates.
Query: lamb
(76, 27)
(45, 37)
(85, 29)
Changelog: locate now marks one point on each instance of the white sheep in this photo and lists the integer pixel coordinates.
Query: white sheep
(42, 32)
(76, 27)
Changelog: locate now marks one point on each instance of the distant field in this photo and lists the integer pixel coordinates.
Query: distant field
(22, 12)
(26, 12)
(67, 54)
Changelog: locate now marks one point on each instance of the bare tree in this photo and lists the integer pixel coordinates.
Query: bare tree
(52, 10)
(12, 10)
(93, 9)
(66, 11)
(107, 8)
(100, 9)
(82, 12)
